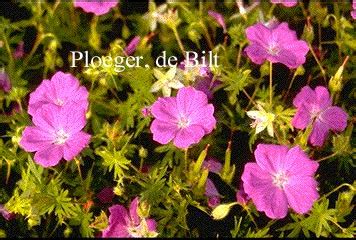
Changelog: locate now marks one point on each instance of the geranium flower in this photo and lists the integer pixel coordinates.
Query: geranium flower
(279, 179)
(218, 18)
(5, 83)
(241, 196)
(275, 44)
(19, 51)
(185, 119)
(6, 214)
(262, 119)
(131, 47)
(286, 3)
(98, 7)
(353, 11)
(166, 81)
(63, 88)
(213, 165)
(56, 134)
(106, 195)
(124, 224)
(200, 76)
(315, 107)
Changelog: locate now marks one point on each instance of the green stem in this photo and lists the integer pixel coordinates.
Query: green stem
(327, 157)
(238, 59)
(270, 84)
(207, 36)
(317, 61)
(178, 40)
(290, 85)
(337, 188)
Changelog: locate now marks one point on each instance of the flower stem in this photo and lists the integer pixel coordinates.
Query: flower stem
(290, 85)
(337, 188)
(317, 61)
(178, 40)
(185, 163)
(79, 170)
(270, 84)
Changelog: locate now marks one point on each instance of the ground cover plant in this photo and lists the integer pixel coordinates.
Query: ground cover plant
(177, 119)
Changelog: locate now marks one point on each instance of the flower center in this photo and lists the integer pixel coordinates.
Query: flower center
(273, 49)
(183, 122)
(60, 137)
(59, 102)
(280, 179)
(140, 230)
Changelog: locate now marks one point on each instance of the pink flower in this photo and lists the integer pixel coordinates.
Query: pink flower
(201, 76)
(131, 47)
(146, 112)
(62, 89)
(279, 179)
(185, 119)
(353, 12)
(315, 107)
(214, 166)
(276, 44)
(241, 195)
(106, 195)
(5, 83)
(286, 3)
(19, 52)
(56, 134)
(6, 214)
(218, 18)
(98, 7)
(124, 224)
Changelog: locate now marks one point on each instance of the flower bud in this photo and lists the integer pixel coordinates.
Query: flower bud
(222, 211)
(335, 83)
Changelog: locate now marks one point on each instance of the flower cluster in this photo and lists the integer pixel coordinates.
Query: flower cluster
(58, 107)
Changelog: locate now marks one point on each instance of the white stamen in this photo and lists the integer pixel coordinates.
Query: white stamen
(60, 137)
(280, 179)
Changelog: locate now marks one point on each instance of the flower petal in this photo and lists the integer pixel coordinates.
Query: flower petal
(268, 198)
(189, 100)
(163, 132)
(133, 212)
(301, 193)
(271, 157)
(302, 118)
(188, 136)
(298, 163)
(306, 95)
(319, 133)
(323, 98)
(118, 222)
(165, 109)
(256, 53)
(204, 117)
(75, 144)
(49, 156)
(335, 118)
(34, 139)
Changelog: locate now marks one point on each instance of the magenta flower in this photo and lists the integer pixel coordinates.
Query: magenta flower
(277, 44)
(6, 214)
(315, 107)
(286, 3)
(218, 18)
(201, 76)
(19, 51)
(56, 134)
(106, 195)
(279, 179)
(5, 83)
(131, 47)
(146, 112)
(124, 224)
(353, 12)
(63, 88)
(241, 195)
(213, 165)
(185, 119)
(98, 7)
